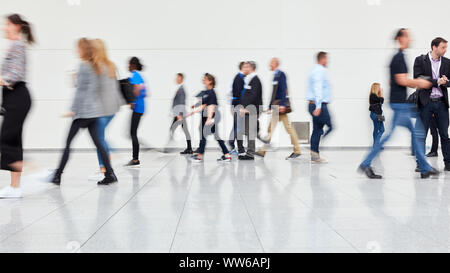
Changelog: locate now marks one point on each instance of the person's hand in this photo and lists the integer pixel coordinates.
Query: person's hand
(317, 112)
(423, 84)
(189, 114)
(2, 83)
(69, 114)
(132, 105)
(209, 122)
(444, 80)
(282, 109)
(179, 117)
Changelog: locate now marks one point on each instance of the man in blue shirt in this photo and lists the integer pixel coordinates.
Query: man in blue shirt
(319, 95)
(402, 111)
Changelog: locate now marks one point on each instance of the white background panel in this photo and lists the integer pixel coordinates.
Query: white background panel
(201, 36)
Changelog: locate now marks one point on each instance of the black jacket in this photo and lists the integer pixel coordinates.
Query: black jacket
(238, 86)
(253, 94)
(422, 68)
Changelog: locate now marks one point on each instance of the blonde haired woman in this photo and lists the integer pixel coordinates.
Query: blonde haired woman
(110, 97)
(376, 101)
(85, 111)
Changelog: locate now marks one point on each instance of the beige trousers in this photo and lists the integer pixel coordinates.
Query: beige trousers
(289, 129)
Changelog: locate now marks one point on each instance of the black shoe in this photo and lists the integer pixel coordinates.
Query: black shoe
(56, 179)
(369, 172)
(133, 163)
(187, 152)
(417, 170)
(109, 178)
(432, 154)
(293, 156)
(447, 167)
(196, 152)
(246, 157)
(431, 172)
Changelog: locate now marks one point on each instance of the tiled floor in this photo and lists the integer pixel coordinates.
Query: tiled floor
(270, 205)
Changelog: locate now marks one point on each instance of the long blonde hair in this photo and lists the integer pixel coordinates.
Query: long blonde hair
(100, 57)
(375, 89)
(87, 53)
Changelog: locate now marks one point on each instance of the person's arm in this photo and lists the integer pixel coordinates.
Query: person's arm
(196, 110)
(210, 113)
(235, 91)
(317, 78)
(403, 80)
(419, 71)
(82, 84)
(282, 85)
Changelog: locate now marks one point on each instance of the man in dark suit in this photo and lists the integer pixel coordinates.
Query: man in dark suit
(251, 101)
(179, 111)
(434, 101)
(236, 91)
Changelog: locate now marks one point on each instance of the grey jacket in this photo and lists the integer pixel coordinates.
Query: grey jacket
(179, 102)
(86, 103)
(109, 94)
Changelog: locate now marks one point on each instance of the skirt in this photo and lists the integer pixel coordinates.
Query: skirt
(16, 105)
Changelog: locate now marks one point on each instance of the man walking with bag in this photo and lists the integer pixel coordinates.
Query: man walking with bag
(280, 107)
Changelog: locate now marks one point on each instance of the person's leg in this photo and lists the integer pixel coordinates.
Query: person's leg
(317, 130)
(252, 132)
(93, 131)
(206, 130)
(374, 119)
(186, 134)
(173, 127)
(135, 119)
(292, 133)
(434, 134)
(240, 132)
(102, 123)
(418, 133)
(442, 120)
(326, 119)
(222, 145)
(379, 146)
(74, 128)
(233, 133)
(423, 121)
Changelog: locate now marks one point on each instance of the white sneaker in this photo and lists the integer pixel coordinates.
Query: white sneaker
(97, 176)
(10, 192)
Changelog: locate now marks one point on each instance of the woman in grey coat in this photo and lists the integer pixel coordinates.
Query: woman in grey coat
(110, 96)
(85, 111)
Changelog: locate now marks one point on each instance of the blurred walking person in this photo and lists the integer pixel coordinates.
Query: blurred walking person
(251, 102)
(279, 106)
(403, 111)
(179, 113)
(319, 95)
(376, 101)
(110, 96)
(16, 101)
(85, 111)
(138, 107)
(236, 92)
(210, 119)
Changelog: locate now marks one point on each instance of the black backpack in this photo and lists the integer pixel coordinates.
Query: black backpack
(126, 88)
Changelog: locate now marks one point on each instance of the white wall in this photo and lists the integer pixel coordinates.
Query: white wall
(198, 36)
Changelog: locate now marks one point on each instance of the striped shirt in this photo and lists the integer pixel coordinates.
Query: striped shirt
(14, 64)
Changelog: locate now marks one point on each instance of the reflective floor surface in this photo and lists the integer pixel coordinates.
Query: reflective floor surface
(270, 205)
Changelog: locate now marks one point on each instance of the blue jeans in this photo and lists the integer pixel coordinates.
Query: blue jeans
(402, 117)
(378, 128)
(318, 124)
(102, 123)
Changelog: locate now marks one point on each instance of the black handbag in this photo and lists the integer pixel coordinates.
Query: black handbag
(126, 89)
(381, 118)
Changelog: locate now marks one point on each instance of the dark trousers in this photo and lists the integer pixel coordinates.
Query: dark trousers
(135, 119)
(434, 134)
(235, 136)
(210, 130)
(440, 112)
(318, 123)
(91, 125)
(174, 126)
(251, 131)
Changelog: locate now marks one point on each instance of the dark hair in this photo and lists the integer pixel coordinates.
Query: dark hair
(321, 55)
(437, 41)
(25, 27)
(241, 64)
(211, 78)
(180, 75)
(400, 33)
(252, 64)
(136, 63)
